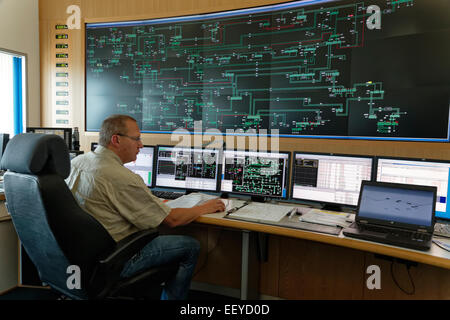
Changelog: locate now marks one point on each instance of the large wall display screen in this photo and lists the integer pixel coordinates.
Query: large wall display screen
(376, 69)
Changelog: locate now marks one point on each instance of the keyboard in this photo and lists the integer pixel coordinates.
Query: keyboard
(393, 236)
(394, 233)
(442, 229)
(170, 195)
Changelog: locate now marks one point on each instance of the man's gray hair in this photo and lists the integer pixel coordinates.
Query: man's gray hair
(113, 125)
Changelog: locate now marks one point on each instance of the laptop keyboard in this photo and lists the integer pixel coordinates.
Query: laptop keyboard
(401, 234)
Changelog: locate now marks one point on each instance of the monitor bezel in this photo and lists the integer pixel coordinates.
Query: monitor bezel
(417, 160)
(66, 130)
(192, 148)
(389, 223)
(328, 154)
(92, 145)
(288, 174)
(152, 185)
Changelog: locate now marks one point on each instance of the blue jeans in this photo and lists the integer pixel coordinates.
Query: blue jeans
(166, 249)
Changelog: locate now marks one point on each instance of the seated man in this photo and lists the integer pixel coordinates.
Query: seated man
(123, 204)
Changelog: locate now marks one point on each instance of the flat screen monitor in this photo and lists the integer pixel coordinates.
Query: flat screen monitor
(255, 173)
(333, 180)
(4, 139)
(424, 172)
(94, 145)
(65, 133)
(187, 168)
(143, 166)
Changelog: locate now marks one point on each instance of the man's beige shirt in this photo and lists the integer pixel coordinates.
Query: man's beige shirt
(114, 195)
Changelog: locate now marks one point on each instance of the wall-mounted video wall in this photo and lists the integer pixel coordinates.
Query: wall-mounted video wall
(324, 69)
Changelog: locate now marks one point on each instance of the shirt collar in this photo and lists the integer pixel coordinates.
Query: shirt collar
(103, 151)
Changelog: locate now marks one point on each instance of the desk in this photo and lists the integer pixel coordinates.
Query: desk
(8, 250)
(434, 257)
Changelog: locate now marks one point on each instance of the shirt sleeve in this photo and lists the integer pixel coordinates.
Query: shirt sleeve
(135, 203)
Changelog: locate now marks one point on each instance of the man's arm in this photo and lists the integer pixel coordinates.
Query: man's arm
(182, 216)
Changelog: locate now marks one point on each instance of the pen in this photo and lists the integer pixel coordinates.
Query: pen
(236, 208)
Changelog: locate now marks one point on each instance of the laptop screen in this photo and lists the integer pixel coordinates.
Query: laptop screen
(396, 204)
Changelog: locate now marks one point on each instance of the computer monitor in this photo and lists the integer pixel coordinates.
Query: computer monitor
(143, 165)
(187, 168)
(332, 180)
(65, 133)
(74, 153)
(255, 173)
(4, 139)
(424, 172)
(94, 145)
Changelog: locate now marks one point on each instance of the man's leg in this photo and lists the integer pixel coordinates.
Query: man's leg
(163, 250)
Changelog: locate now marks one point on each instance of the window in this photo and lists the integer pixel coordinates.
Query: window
(12, 93)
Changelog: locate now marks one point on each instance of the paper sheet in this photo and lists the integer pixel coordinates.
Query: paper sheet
(328, 218)
(263, 212)
(190, 200)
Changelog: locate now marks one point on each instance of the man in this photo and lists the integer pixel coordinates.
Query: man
(122, 203)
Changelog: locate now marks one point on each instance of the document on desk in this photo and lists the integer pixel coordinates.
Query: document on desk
(261, 212)
(328, 218)
(190, 200)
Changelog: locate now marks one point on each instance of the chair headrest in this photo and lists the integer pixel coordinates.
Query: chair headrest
(36, 153)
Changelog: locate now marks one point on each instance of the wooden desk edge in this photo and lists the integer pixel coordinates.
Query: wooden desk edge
(373, 247)
(5, 218)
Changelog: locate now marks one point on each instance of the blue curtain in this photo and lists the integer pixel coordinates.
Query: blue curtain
(18, 94)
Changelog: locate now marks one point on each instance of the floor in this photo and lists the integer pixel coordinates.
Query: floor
(22, 293)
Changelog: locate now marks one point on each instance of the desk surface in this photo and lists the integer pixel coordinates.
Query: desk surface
(436, 256)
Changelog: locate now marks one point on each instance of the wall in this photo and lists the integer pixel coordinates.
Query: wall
(19, 31)
(52, 12)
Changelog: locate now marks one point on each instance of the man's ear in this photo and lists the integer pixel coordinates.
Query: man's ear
(115, 141)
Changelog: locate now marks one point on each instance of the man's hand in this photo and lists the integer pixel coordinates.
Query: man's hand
(214, 205)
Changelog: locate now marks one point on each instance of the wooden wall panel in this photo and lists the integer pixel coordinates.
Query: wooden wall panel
(429, 282)
(219, 261)
(311, 270)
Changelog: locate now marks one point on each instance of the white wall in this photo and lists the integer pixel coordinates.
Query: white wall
(19, 31)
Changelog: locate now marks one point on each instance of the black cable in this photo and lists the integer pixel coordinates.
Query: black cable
(410, 278)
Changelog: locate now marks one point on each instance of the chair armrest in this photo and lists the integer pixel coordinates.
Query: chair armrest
(129, 246)
(109, 268)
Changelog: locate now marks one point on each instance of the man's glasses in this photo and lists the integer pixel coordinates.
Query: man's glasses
(137, 139)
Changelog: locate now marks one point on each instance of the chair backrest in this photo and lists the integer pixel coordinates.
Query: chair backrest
(53, 229)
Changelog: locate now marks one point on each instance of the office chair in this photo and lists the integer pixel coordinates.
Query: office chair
(56, 233)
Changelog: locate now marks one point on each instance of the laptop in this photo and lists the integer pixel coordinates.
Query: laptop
(396, 214)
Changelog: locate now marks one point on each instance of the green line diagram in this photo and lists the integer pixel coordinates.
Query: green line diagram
(257, 175)
(298, 70)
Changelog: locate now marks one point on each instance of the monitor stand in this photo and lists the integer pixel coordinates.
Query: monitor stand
(332, 207)
(258, 199)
